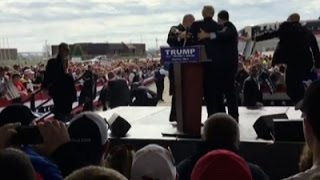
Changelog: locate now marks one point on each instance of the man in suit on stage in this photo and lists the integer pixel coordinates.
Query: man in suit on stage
(226, 69)
(59, 84)
(298, 49)
(208, 25)
(178, 37)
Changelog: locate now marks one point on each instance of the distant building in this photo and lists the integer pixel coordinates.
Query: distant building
(91, 50)
(8, 54)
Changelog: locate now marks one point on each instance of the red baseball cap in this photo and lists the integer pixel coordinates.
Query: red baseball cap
(221, 164)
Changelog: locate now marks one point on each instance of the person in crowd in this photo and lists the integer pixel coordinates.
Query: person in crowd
(142, 96)
(120, 158)
(311, 128)
(211, 68)
(178, 37)
(298, 49)
(220, 131)
(10, 118)
(117, 92)
(221, 164)
(227, 67)
(306, 159)
(241, 76)
(252, 93)
(134, 76)
(153, 162)
(159, 77)
(89, 89)
(88, 143)
(60, 85)
(95, 173)
(28, 77)
(3, 79)
(15, 165)
(16, 79)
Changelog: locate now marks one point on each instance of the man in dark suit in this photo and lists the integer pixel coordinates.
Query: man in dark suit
(198, 28)
(159, 76)
(178, 37)
(117, 92)
(89, 89)
(227, 38)
(252, 94)
(142, 96)
(59, 85)
(298, 49)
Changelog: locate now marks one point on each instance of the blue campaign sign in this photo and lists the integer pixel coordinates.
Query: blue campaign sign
(189, 54)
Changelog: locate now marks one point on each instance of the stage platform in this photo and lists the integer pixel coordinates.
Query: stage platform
(278, 160)
(150, 122)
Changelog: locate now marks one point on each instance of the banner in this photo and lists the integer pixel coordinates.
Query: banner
(189, 54)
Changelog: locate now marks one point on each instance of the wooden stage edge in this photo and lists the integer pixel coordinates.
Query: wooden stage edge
(148, 123)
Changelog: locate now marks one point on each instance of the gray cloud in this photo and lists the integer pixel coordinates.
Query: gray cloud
(28, 24)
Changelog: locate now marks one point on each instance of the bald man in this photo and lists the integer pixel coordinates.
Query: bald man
(298, 49)
(211, 95)
(178, 37)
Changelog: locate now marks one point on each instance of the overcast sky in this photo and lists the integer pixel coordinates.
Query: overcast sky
(29, 23)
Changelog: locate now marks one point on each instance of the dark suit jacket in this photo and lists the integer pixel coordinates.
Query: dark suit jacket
(228, 45)
(211, 46)
(118, 93)
(174, 42)
(251, 93)
(54, 74)
(141, 97)
(297, 47)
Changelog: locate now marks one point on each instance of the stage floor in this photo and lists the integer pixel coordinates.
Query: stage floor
(148, 123)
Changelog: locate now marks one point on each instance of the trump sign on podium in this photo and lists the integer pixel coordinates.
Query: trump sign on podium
(189, 54)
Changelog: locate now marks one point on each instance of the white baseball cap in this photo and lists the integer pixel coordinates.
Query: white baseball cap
(28, 71)
(153, 162)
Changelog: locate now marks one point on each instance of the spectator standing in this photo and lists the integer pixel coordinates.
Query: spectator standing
(252, 93)
(60, 85)
(311, 114)
(220, 132)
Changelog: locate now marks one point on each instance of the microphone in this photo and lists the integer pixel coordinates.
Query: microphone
(186, 38)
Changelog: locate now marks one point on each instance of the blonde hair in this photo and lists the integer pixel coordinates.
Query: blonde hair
(208, 11)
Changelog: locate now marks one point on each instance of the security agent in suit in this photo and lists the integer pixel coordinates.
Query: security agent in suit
(212, 100)
(178, 37)
(252, 93)
(298, 49)
(159, 77)
(142, 96)
(60, 85)
(227, 38)
(117, 92)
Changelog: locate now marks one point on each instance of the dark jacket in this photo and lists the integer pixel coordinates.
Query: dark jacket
(89, 87)
(139, 97)
(118, 93)
(174, 42)
(251, 92)
(297, 46)
(185, 167)
(211, 46)
(228, 45)
(54, 74)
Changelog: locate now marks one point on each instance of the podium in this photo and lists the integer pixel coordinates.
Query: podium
(188, 76)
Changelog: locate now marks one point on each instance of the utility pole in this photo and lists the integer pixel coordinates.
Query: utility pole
(141, 38)
(157, 43)
(8, 49)
(1, 52)
(4, 49)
